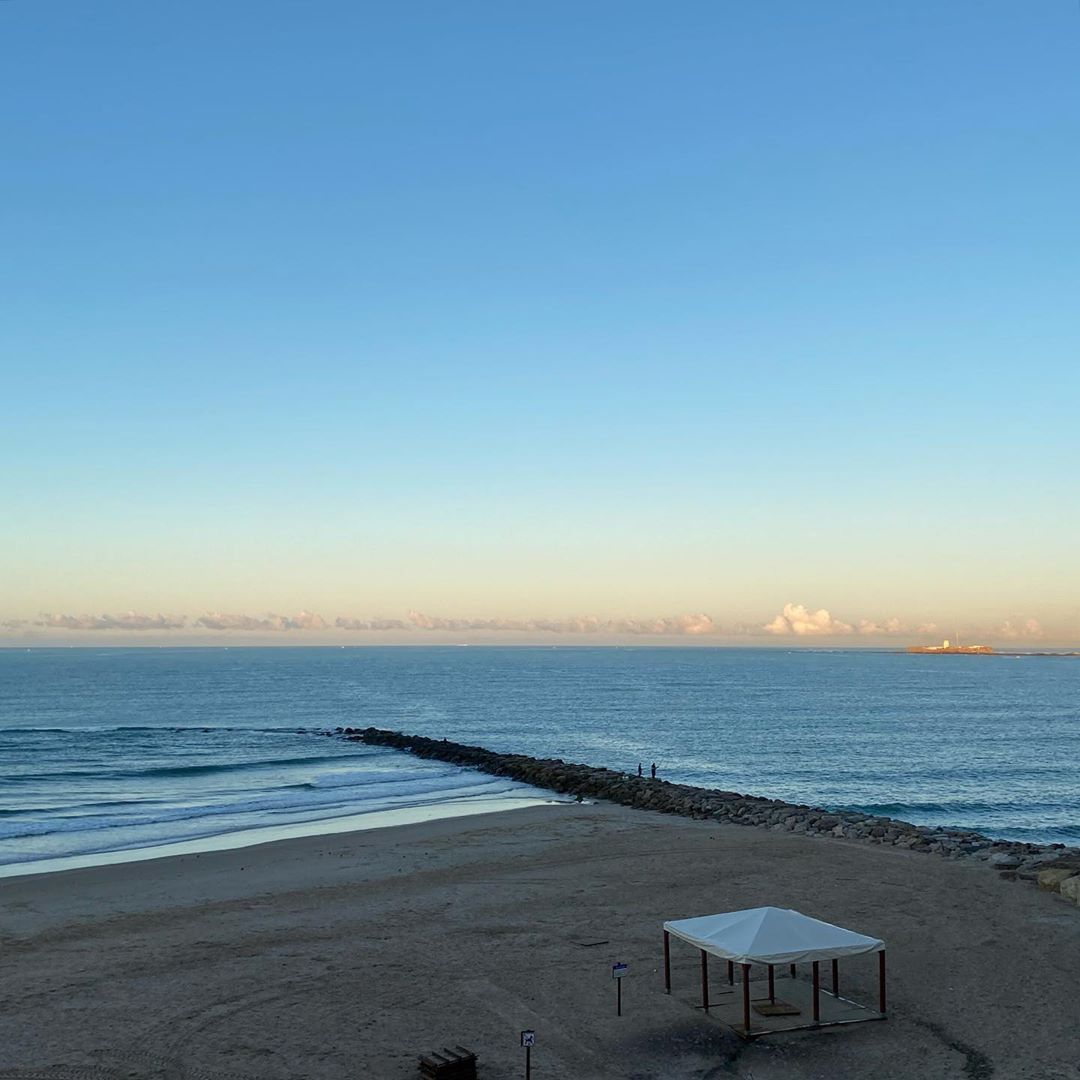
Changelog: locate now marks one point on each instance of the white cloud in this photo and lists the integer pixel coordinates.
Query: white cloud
(130, 620)
(799, 620)
(1029, 628)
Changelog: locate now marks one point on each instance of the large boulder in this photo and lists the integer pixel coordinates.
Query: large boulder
(1050, 880)
(1070, 889)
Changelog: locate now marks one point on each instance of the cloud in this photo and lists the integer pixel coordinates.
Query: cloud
(678, 625)
(799, 620)
(130, 620)
(889, 626)
(794, 620)
(371, 624)
(690, 625)
(305, 620)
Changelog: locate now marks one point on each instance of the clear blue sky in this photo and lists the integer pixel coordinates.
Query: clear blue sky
(526, 310)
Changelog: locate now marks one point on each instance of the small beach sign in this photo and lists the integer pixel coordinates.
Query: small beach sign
(617, 973)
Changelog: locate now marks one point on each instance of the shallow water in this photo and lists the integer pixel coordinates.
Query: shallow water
(113, 749)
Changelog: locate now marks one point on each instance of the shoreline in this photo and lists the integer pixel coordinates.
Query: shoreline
(272, 834)
(1051, 866)
(1013, 860)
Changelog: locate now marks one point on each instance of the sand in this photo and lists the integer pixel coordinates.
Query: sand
(346, 956)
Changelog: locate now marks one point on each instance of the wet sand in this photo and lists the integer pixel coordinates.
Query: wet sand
(345, 956)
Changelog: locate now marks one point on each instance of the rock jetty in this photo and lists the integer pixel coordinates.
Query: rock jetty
(1053, 867)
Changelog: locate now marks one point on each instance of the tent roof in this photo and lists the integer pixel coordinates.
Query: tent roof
(769, 935)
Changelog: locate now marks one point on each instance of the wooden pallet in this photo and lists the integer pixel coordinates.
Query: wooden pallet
(447, 1064)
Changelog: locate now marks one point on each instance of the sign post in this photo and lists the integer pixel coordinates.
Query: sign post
(617, 973)
(528, 1038)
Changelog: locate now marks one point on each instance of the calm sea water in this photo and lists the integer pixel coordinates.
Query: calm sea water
(113, 749)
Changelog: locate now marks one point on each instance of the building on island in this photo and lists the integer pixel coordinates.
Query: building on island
(947, 647)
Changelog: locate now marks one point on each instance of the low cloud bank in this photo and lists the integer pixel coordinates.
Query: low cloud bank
(131, 620)
(305, 620)
(794, 620)
(690, 625)
(371, 624)
(1029, 628)
(886, 626)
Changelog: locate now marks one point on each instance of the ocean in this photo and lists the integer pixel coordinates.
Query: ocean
(111, 751)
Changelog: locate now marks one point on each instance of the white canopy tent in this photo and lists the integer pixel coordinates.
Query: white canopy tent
(770, 936)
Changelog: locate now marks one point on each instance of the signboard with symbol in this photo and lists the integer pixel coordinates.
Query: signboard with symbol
(618, 970)
(528, 1038)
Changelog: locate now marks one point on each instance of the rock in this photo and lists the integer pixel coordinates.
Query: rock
(1070, 889)
(1050, 880)
(1004, 861)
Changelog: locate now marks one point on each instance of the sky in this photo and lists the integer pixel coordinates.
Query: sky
(710, 322)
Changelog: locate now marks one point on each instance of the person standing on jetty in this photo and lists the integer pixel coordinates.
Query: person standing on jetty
(640, 771)
(652, 769)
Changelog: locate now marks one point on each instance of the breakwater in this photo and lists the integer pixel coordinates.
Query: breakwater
(1053, 867)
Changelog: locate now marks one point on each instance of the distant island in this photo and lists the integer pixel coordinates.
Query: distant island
(946, 648)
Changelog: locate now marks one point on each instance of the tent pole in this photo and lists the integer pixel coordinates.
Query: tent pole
(746, 998)
(817, 999)
(772, 986)
(881, 981)
(731, 972)
(667, 962)
(836, 978)
(704, 980)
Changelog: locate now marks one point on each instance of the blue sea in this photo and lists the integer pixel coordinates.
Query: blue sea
(121, 750)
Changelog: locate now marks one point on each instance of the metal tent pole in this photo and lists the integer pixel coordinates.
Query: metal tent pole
(746, 998)
(667, 962)
(817, 998)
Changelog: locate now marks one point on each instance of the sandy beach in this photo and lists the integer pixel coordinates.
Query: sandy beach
(345, 956)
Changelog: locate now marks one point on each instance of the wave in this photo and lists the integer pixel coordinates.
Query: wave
(97, 729)
(180, 771)
(957, 806)
(294, 799)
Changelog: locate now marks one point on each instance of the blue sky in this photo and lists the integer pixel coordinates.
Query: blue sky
(498, 311)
